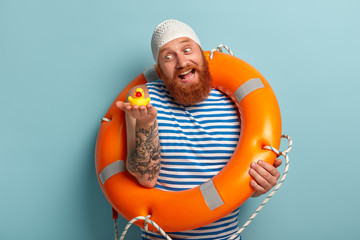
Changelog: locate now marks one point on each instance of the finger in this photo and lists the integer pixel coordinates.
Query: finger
(257, 188)
(257, 173)
(143, 111)
(151, 110)
(126, 107)
(277, 163)
(135, 112)
(269, 168)
(268, 172)
(120, 104)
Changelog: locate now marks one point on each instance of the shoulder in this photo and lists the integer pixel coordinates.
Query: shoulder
(157, 87)
(155, 84)
(217, 95)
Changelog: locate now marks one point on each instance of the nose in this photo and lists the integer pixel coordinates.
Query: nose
(181, 61)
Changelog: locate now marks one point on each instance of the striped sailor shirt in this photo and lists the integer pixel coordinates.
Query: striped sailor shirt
(196, 143)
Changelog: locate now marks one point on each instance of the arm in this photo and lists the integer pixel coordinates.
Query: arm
(265, 176)
(143, 146)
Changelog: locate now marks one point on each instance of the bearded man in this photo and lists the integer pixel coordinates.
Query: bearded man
(189, 130)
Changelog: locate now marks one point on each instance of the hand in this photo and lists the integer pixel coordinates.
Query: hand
(265, 176)
(145, 115)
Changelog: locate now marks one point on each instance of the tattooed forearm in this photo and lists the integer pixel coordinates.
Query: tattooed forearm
(144, 159)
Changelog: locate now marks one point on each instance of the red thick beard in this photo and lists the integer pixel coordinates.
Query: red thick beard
(191, 93)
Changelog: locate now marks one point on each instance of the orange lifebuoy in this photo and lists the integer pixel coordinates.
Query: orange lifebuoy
(196, 207)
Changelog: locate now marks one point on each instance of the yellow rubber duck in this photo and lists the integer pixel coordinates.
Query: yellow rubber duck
(139, 98)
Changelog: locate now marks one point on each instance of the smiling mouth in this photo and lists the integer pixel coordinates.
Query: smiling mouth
(187, 76)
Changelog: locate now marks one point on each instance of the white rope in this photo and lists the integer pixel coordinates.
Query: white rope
(116, 230)
(219, 49)
(105, 120)
(147, 221)
(285, 154)
(163, 233)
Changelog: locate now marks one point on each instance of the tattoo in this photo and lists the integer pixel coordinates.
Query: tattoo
(145, 158)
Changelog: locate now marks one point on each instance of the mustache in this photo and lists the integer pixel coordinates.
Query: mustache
(186, 68)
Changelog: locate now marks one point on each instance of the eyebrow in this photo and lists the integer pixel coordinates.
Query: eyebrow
(183, 41)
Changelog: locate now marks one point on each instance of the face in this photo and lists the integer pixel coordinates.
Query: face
(185, 71)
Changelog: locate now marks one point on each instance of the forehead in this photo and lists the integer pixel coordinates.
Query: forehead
(177, 43)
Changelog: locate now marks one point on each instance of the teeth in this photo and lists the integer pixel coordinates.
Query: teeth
(184, 73)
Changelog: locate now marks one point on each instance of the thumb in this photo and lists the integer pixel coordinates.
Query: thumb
(277, 162)
(151, 109)
(121, 105)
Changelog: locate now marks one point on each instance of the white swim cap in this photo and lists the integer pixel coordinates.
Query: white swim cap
(168, 31)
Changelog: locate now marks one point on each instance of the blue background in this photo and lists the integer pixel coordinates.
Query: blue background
(62, 63)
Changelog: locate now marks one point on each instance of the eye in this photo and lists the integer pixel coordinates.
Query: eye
(168, 57)
(186, 50)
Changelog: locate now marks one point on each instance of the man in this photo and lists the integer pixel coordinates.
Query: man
(189, 131)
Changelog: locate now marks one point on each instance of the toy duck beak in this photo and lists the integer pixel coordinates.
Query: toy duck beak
(138, 94)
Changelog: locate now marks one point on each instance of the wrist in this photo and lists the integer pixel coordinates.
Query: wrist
(145, 124)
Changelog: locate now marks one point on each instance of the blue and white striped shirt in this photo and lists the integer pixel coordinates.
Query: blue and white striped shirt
(196, 143)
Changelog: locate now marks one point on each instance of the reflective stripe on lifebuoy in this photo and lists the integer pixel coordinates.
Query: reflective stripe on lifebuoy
(196, 207)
